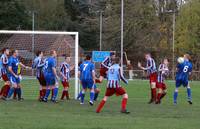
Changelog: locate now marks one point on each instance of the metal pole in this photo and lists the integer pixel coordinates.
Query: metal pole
(122, 31)
(173, 42)
(100, 35)
(33, 38)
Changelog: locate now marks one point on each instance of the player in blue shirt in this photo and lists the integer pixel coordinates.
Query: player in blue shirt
(51, 76)
(87, 78)
(14, 77)
(182, 77)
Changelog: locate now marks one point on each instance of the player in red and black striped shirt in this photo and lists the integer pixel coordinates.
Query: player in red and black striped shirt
(163, 71)
(105, 66)
(152, 74)
(65, 69)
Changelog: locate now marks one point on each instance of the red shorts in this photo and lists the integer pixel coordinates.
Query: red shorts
(42, 80)
(117, 91)
(153, 77)
(103, 72)
(5, 77)
(65, 83)
(161, 85)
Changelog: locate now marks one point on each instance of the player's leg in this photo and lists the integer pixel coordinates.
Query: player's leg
(91, 86)
(102, 75)
(121, 91)
(83, 95)
(101, 104)
(97, 91)
(109, 92)
(48, 90)
(84, 88)
(160, 92)
(7, 88)
(55, 90)
(153, 80)
(189, 93)
(65, 90)
(178, 84)
(13, 86)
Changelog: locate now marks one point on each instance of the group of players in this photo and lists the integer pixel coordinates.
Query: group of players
(110, 69)
(157, 77)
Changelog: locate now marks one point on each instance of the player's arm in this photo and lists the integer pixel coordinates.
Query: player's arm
(11, 71)
(40, 64)
(61, 73)
(24, 66)
(104, 62)
(122, 76)
(4, 61)
(145, 68)
(72, 67)
(55, 73)
(93, 73)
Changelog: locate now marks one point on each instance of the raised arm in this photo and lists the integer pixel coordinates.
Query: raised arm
(104, 62)
(122, 76)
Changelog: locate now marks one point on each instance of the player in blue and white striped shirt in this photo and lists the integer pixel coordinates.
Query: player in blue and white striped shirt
(113, 86)
(163, 71)
(65, 69)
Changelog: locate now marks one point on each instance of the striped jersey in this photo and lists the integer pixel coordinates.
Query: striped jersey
(4, 61)
(114, 76)
(151, 66)
(106, 63)
(38, 64)
(65, 70)
(86, 70)
(163, 71)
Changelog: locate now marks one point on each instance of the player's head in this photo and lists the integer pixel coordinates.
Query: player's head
(53, 53)
(147, 56)
(67, 59)
(116, 60)
(15, 52)
(39, 53)
(88, 57)
(187, 57)
(166, 61)
(6, 51)
(112, 54)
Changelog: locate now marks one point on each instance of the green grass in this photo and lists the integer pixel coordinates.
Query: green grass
(31, 114)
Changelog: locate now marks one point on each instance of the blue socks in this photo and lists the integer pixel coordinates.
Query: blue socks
(47, 94)
(189, 94)
(19, 93)
(175, 96)
(55, 93)
(79, 95)
(92, 96)
(82, 96)
(10, 92)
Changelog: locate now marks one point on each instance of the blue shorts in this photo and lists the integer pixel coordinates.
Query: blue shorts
(14, 80)
(50, 79)
(180, 82)
(87, 84)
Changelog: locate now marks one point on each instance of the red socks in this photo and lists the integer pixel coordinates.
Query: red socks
(65, 93)
(153, 94)
(100, 106)
(124, 102)
(159, 96)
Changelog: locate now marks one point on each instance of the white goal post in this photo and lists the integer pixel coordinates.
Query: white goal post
(76, 34)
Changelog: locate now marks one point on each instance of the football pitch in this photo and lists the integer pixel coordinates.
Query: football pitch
(31, 114)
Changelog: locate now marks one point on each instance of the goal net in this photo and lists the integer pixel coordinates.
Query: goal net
(29, 42)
